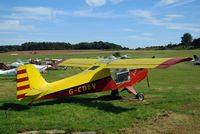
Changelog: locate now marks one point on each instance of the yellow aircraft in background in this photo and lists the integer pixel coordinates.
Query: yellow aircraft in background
(31, 86)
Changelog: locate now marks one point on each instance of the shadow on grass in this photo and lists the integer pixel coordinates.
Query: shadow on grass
(98, 103)
(14, 106)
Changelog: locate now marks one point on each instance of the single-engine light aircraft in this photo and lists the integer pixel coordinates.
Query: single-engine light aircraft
(31, 86)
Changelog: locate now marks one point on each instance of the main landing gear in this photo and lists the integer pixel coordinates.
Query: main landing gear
(130, 89)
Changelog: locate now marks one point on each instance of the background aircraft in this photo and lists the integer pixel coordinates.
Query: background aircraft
(40, 68)
(4, 67)
(196, 60)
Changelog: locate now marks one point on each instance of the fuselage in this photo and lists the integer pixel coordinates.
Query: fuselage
(94, 79)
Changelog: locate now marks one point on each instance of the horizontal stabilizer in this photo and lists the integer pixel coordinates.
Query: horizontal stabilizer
(34, 92)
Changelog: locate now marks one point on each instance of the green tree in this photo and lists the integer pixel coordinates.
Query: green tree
(186, 39)
(117, 54)
(196, 43)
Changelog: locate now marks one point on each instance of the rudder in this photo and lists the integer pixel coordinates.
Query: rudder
(29, 81)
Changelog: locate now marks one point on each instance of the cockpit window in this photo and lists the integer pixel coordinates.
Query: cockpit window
(94, 67)
(120, 75)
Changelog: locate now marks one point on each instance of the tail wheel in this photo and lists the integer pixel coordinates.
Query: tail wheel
(140, 96)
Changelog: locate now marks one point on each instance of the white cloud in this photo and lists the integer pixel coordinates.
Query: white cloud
(183, 2)
(98, 3)
(95, 3)
(148, 18)
(171, 17)
(141, 13)
(127, 30)
(173, 3)
(166, 2)
(14, 25)
(37, 13)
(179, 26)
(175, 15)
(91, 13)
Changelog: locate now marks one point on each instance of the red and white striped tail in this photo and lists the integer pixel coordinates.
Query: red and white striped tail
(23, 85)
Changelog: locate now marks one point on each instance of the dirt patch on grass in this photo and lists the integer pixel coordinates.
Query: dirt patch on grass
(6, 85)
(151, 97)
(165, 123)
(198, 88)
(7, 88)
(55, 132)
(161, 89)
(188, 106)
(44, 131)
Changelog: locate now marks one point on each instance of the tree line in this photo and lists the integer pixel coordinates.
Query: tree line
(187, 42)
(60, 46)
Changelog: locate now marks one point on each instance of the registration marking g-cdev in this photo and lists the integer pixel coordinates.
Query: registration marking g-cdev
(83, 88)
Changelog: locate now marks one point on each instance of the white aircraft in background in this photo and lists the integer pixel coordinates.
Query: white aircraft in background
(16, 64)
(9, 72)
(40, 68)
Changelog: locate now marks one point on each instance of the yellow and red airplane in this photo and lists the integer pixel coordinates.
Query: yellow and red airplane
(31, 86)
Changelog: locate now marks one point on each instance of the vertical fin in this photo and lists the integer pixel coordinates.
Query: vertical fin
(29, 81)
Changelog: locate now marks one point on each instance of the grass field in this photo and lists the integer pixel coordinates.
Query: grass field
(171, 104)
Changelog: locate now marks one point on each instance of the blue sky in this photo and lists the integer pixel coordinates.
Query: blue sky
(130, 23)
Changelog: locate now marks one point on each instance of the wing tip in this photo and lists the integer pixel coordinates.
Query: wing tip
(172, 61)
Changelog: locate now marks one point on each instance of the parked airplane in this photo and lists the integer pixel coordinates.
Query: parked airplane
(196, 60)
(40, 68)
(31, 86)
(16, 64)
(4, 67)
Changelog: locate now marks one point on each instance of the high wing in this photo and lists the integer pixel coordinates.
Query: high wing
(75, 62)
(146, 63)
(125, 63)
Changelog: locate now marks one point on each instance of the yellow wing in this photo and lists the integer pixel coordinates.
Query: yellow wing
(125, 63)
(146, 63)
(79, 62)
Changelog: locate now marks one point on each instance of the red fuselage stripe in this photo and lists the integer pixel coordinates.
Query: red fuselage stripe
(21, 71)
(23, 87)
(22, 79)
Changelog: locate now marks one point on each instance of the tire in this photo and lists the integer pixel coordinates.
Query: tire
(140, 96)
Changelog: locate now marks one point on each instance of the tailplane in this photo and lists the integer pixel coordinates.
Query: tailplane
(30, 83)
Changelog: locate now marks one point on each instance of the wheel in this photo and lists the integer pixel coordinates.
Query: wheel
(140, 96)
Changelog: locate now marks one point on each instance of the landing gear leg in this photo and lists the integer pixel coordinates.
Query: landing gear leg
(115, 93)
(131, 90)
